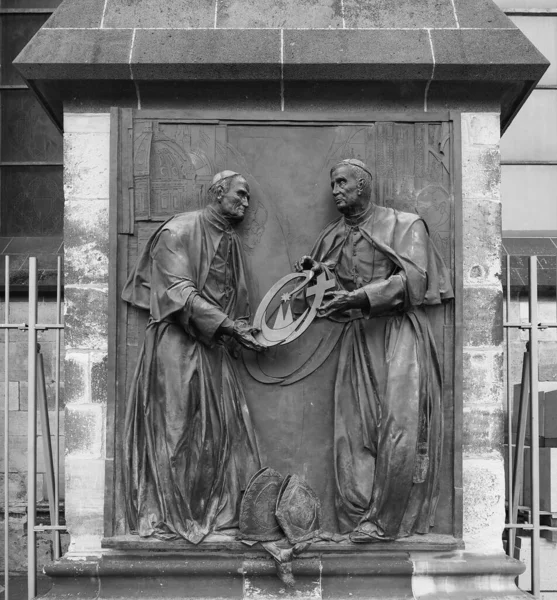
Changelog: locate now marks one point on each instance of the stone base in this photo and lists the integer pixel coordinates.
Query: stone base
(372, 572)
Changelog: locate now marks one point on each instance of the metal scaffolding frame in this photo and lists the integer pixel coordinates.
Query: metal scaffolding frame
(529, 399)
(36, 400)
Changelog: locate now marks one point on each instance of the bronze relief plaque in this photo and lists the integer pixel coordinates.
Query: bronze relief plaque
(298, 396)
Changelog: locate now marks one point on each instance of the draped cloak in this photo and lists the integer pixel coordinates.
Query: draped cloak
(388, 426)
(189, 444)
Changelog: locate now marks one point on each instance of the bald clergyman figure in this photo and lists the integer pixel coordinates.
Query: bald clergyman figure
(388, 425)
(189, 446)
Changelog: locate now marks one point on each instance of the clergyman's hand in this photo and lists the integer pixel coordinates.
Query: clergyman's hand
(335, 301)
(244, 335)
(306, 263)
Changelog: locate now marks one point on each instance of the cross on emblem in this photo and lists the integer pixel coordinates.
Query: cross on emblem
(285, 328)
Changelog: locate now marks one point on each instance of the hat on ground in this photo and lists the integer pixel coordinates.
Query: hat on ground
(298, 510)
(257, 510)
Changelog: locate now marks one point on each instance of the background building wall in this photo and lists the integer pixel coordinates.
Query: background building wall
(529, 147)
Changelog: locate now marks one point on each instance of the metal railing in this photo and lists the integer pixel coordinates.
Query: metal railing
(529, 399)
(37, 399)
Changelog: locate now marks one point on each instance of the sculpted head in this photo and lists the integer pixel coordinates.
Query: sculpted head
(351, 186)
(229, 194)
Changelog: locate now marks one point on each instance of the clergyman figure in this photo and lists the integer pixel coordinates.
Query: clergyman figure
(189, 443)
(388, 424)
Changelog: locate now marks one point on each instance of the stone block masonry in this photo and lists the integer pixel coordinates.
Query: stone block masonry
(483, 467)
(16, 470)
(86, 184)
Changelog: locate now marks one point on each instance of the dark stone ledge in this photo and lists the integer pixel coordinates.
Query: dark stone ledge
(55, 60)
(77, 54)
(375, 575)
(287, 13)
(357, 55)
(207, 54)
(430, 542)
(469, 55)
(399, 13)
(255, 54)
(481, 14)
(77, 13)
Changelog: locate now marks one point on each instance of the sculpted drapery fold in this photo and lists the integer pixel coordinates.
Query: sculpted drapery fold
(189, 445)
(388, 393)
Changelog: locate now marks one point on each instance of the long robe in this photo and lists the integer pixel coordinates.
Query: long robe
(388, 393)
(189, 447)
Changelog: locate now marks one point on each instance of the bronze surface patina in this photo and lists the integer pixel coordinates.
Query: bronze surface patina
(345, 403)
(388, 422)
(189, 445)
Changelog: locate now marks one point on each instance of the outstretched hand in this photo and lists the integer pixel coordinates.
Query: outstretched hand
(306, 263)
(335, 301)
(244, 335)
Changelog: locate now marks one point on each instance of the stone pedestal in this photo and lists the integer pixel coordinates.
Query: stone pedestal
(457, 56)
(381, 574)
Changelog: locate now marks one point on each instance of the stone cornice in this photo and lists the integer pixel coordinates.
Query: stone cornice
(472, 42)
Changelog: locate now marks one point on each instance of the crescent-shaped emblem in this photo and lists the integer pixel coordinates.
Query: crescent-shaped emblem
(285, 328)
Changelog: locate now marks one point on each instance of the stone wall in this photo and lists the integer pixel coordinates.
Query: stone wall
(86, 184)
(483, 467)
(86, 239)
(18, 416)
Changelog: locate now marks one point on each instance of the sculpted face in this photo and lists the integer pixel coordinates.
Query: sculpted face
(347, 191)
(234, 203)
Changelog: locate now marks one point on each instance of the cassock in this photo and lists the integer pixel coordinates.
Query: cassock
(189, 446)
(388, 392)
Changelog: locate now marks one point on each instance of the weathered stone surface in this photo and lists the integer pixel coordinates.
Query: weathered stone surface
(480, 129)
(18, 452)
(13, 394)
(17, 531)
(481, 173)
(18, 359)
(360, 55)
(210, 95)
(484, 504)
(548, 361)
(17, 489)
(468, 96)
(84, 502)
(86, 122)
(86, 242)
(76, 377)
(77, 13)
(86, 318)
(145, 13)
(99, 373)
(206, 54)
(483, 316)
(468, 54)
(85, 430)
(268, 13)
(18, 422)
(483, 377)
(483, 430)
(480, 14)
(354, 96)
(481, 242)
(86, 166)
(78, 53)
(81, 97)
(404, 13)
(481, 169)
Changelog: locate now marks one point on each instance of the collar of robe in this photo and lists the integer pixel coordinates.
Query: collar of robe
(356, 220)
(218, 220)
